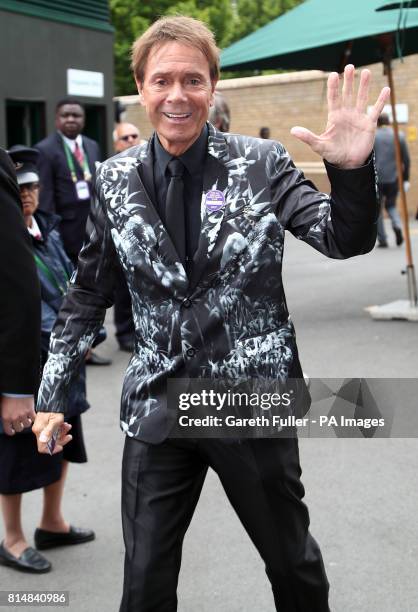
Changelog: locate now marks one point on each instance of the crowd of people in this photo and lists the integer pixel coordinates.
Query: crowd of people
(54, 180)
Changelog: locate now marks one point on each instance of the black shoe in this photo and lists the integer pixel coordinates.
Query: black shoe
(50, 539)
(29, 561)
(399, 236)
(127, 346)
(95, 360)
(382, 245)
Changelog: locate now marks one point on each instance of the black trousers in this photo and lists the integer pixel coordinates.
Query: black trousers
(161, 485)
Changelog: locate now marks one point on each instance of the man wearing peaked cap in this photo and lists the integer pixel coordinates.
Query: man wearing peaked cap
(25, 159)
(66, 163)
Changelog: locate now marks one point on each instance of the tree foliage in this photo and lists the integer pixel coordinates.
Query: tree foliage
(251, 16)
(230, 20)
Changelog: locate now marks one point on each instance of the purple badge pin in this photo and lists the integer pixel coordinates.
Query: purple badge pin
(214, 200)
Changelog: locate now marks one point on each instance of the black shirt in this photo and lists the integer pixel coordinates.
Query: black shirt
(194, 161)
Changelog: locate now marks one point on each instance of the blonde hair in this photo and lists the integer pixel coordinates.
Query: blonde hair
(180, 29)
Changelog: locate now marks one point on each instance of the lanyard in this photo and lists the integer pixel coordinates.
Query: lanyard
(42, 266)
(71, 166)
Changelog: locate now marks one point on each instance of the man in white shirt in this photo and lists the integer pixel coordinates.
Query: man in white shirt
(126, 135)
(66, 167)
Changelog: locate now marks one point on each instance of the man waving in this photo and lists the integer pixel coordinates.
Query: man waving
(197, 220)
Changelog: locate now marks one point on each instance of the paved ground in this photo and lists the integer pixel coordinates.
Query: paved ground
(360, 492)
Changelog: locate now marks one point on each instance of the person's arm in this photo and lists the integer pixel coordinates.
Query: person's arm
(345, 223)
(20, 304)
(79, 320)
(340, 225)
(19, 309)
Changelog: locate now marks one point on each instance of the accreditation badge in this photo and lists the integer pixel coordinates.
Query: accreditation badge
(214, 200)
(82, 189)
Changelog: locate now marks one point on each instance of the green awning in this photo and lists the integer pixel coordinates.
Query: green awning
(315, 34)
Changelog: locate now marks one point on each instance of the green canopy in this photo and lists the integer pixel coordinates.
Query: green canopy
(315, 35)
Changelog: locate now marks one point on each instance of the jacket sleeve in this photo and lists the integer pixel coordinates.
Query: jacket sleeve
(82, 312)
(20, 303)
(341, 225)
(47, 183)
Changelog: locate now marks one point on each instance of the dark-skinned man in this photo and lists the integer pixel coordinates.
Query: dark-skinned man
(66, 165)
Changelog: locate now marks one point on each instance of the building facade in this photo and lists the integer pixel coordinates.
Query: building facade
(51, 49)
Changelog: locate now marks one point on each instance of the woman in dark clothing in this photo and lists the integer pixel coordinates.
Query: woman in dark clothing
(22, 467)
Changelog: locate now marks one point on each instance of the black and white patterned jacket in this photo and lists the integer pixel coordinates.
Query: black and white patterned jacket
(230, 318)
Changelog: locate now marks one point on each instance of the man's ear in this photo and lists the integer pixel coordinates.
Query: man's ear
(212, 97)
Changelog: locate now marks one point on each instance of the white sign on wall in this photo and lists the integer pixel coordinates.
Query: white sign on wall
(85, 83)
(402, 112)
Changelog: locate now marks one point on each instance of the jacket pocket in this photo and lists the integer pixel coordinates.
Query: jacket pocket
(284, 324)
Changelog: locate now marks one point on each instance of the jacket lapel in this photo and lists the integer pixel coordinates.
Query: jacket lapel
(88, 149)
(137, 209)
(145, 177)
(140, 193)
(61, 152)
(213, 204)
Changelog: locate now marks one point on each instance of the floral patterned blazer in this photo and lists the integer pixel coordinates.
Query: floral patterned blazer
(229, 319)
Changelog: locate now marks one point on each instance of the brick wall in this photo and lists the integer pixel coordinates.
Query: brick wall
(299, 98)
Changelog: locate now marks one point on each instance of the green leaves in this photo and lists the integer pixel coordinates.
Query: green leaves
(230, 20)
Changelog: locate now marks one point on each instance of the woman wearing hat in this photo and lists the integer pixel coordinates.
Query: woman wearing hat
(22, 467)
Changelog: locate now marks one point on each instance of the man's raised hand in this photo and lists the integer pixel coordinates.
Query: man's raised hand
(349, 134)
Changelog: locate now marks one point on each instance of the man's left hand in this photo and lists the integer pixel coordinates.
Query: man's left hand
(46, 423)
(349, 135)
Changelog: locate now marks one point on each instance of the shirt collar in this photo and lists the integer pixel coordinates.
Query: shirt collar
(71, 143)
(192, 159)
(34, 230)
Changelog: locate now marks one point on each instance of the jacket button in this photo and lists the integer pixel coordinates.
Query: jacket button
(186, 303)
(191, 352)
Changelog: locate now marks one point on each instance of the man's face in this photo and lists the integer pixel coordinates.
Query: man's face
(29, 195)
(127, 135)
(70, 120)
(177, 92)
